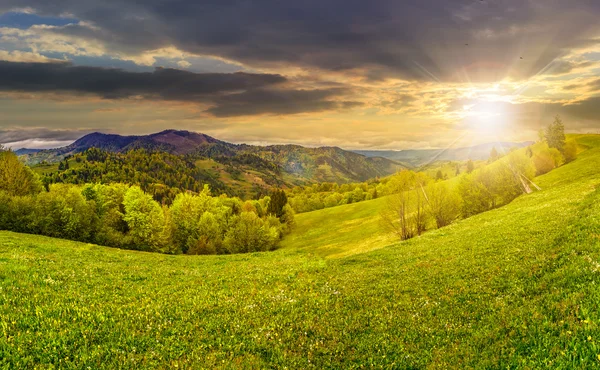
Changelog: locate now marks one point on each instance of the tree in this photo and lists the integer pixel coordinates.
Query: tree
(63, 212)
(443, 204)
(439, 175)
(16, 179)
(546, 159)
(405, 213)
(470, 166)
(248, 233)
(278, 201)
(493, 155)
(529, 152)
(145, 219)
(555, 135)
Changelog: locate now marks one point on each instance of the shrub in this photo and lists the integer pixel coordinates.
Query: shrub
(570, 151)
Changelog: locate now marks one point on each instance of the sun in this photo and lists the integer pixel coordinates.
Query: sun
(486, 118)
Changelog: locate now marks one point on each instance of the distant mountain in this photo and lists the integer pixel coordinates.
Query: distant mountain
(24, 151)
(239, 166)
(420, 157)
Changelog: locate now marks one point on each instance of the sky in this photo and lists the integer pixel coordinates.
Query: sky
(380, 74)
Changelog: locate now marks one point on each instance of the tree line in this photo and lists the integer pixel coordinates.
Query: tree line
(124, 216)
(419, 202)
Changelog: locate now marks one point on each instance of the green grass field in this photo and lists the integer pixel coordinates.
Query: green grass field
(516, 287)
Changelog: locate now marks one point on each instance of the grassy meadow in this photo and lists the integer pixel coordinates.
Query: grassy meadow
(515, 287)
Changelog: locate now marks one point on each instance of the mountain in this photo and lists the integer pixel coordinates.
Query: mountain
(238, 169)
(24, 151)
(419, 157)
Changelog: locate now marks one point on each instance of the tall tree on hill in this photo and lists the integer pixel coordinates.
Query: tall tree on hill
(555, 135)
(15, 178)
(278, 201)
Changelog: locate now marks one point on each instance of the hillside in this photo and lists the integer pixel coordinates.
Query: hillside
(515, 287)
(235, 169)
(420, 157)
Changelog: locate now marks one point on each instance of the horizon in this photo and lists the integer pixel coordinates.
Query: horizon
(16, 146)
(411, 75)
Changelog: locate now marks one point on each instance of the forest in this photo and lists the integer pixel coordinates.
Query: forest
(124, 216)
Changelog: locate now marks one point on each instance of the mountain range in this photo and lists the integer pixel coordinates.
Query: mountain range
(235, 169)
(420, 157)
(238, 166)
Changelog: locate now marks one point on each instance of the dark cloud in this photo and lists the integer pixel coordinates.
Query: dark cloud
(588, 109)
(169, 84)
(12, 136)
(230, 94)
(413, 39)
(279, 102)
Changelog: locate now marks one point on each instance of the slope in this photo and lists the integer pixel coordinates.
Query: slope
(511, 288)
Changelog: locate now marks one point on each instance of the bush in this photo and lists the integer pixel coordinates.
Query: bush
(570, 151)
(546, 159)
(249, 233)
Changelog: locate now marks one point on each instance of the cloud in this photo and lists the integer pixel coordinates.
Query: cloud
(229, 94)
(25, 56)
(110, 83)
(279, 102)
(40, 135)
(415, 39)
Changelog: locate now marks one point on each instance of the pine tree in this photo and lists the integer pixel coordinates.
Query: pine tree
(555, 135)
(278, 201)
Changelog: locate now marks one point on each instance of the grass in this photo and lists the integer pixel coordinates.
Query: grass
(515, 287)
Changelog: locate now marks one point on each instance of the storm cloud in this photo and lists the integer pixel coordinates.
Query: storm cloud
(414, 39)
(230, 94)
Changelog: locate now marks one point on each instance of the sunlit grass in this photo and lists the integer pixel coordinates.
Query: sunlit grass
(516, 287)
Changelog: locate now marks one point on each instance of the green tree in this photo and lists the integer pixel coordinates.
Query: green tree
(145, 219)
(555, 135)
(405, 212)
(278, 201)
(443, 204)
(439, 175)
(15, 178)
(63, 212)
(248, 233)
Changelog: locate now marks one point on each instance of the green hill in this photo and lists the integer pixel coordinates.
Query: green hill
(171, 161)
(516, 287)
